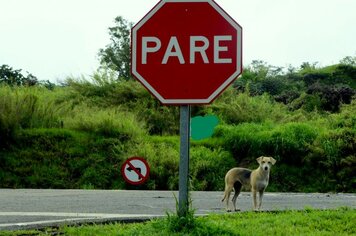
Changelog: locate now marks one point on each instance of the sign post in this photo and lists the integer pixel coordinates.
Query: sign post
(184, 159)
(186, 52)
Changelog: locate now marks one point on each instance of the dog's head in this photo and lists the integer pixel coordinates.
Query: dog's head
(266, 162)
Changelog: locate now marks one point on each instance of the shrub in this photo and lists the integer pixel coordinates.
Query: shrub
(273, 85)
(246, 140)
(331, 96)
(307, 102)
(208, 168)
(291, 142)
(333, 153)
(287, 142)
(346, 117)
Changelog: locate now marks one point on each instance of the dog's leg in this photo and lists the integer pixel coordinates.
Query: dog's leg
(254, 193)
(237, 188)
(260, 199)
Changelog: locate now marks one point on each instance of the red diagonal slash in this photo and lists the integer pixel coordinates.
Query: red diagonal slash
(136, 171)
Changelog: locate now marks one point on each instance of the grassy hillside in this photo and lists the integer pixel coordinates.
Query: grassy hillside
(79, 134)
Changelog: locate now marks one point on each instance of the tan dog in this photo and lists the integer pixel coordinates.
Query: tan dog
(256, 180)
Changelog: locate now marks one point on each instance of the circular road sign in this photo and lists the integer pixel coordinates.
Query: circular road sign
(135, 170)
(186, 51)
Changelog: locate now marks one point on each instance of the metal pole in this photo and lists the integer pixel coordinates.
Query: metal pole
(184, 159)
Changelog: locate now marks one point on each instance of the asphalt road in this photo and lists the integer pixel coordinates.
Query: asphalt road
(34, 208)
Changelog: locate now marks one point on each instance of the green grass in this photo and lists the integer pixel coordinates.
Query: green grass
(306, 222)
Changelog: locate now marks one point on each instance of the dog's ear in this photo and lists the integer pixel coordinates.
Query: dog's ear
(273, 160)
(259, 159)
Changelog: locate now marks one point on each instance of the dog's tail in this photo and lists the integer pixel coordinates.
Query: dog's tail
(225, 191)
(225, 195)
(222, 200)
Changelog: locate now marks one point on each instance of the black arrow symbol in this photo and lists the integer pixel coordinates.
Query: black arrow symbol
(137, 169)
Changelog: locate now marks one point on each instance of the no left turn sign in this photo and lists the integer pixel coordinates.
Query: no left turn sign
(135, 170)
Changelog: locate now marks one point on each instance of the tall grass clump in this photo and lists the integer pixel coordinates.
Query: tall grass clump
(235, 108)
(28, 107)
(98, 85)
(130, 96)
(103, 89)
(109, 122)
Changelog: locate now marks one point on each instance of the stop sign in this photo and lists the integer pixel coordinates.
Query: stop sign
(186, 51)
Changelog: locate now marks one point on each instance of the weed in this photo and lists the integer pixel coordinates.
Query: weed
(181, 223)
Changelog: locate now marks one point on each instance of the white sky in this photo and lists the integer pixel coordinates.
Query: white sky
(53, 39)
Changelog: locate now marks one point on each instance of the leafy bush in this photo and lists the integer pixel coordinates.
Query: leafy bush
(273, 85)
(291, 142)
(346, 118)
(208, 168)
(307, 102)
(288, 142)
(334, 154)
(331, 97)
(247, 140)
(344, 74)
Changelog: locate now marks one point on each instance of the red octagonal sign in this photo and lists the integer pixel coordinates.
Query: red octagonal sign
(186, 51)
